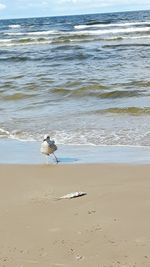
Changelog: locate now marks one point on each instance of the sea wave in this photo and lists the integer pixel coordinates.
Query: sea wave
(24, 41)
(114, 31)
(82, 32)
(105, 25)
(60, 37)
(16, 96)
(65, 81)
(88, 137)
(50, 32)
(135, 111)
(16, 135)
(135, 37)
(3, 132)
(89, 91)
(14, 26)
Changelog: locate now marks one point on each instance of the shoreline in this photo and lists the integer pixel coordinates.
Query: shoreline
(28, 152)
(107, 227)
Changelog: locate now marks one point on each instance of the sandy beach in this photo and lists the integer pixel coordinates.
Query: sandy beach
(108, 227)
(83, 80)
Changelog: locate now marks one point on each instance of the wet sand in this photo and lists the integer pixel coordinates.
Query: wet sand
(109, 227)
(16, 152)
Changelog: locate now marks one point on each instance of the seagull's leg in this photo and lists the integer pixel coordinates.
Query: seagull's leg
(55, 158)
(47, 159)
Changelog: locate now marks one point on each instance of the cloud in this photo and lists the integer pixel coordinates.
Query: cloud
(2, 6)
(71, 6)
(90, 6)
(35, 8)
(68, 1)
(100, 3)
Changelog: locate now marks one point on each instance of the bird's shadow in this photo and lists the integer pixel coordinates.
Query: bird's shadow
(67, 160)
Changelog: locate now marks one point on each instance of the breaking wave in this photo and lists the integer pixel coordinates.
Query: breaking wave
(127, 110)
(14, 26)
(81, 33)
(114, 31)
(24, 41)
(88, 91)
(83, 79)
(16, 96)
(106, 25)
(33, 33)
(85, 137)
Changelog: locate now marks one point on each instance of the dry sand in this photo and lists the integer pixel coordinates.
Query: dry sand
(109, 227)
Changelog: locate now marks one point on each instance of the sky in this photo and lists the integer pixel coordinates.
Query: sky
(42, 8)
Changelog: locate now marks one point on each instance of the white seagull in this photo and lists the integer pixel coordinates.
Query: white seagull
(48, 147)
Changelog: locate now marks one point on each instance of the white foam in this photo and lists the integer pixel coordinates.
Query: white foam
(113, 31)
(111, 139)
(5, 41)
(136, 37)
(32, 33)
(16, 135)
(14, 26)
(80, 27)
(12, 42)
(4, 131)
(84, 32)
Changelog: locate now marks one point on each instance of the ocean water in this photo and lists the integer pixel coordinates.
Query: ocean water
(85, 79)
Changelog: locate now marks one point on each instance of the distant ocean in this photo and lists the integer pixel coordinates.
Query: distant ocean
(85, 79)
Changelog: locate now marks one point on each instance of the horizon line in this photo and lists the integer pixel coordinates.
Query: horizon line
(72, 15)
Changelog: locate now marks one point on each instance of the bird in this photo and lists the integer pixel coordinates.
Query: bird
(48, 147)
